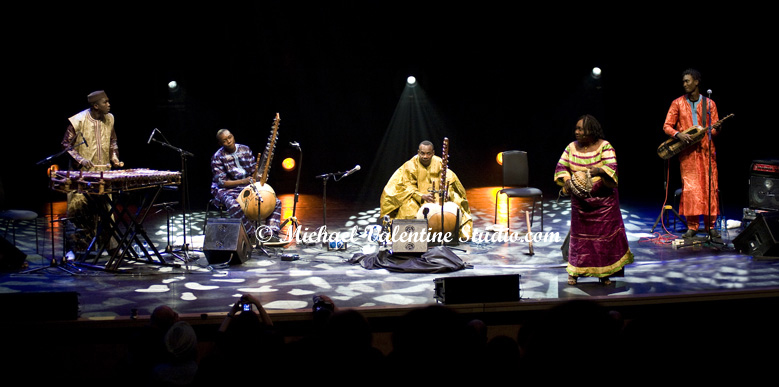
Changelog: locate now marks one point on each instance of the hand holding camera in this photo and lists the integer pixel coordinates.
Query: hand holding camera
(244, 304)
(323, 303)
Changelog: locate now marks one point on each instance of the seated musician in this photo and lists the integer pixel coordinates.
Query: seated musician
(90, 140)
(409, 189)
(232, 168)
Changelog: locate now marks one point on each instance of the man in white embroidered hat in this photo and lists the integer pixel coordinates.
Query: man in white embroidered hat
(90, 140)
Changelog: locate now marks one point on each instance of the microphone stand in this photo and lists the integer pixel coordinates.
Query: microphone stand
(71, 269)
(336, 177)
(709, 129)
(184, 194)
(293, 219)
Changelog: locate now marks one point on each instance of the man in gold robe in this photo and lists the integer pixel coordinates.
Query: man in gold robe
(410, 188)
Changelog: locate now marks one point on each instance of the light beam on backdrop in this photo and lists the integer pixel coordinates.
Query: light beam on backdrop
(414, 120)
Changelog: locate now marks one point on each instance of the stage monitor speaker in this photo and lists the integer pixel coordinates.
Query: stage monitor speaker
(759, 239)
(11, 258)
(226, 241)
(764, 185)
(477, 289)
(409, 236)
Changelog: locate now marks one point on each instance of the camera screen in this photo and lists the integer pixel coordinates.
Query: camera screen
(247, 307)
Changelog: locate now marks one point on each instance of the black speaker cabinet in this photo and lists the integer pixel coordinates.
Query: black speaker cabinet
(226, 241)
(477, 289)
(11, 258)
(759, 239)
(409, 235)
(764, 185)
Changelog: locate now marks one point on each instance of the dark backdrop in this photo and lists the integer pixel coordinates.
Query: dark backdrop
(499, 77)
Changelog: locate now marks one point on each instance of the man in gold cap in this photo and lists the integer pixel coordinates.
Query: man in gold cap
(90, 140)
(410, 187)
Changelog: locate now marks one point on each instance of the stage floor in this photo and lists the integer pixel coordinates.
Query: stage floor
(194, 286)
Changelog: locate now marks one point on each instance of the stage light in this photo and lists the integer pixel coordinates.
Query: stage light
(499, 158)
(596, 72)
(411, 80)
(288, 164)
(173, 85)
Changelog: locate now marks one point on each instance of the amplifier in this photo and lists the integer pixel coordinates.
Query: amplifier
(764, 184)
(765, 167)
(409, 235)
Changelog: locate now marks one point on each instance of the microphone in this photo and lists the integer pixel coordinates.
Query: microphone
(425, 211)
(353, 170)
(152, 135)
(294, 144)
(709, 91)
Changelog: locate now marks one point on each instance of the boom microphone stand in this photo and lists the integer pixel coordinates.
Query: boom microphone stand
(66, 267)
(184, 191)
(337, 176)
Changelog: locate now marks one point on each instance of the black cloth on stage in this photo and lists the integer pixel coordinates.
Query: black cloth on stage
(439, 259)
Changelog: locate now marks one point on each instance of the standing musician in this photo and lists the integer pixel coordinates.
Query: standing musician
(232, 168)
(409, 188)
(91, 142)
(690, 110)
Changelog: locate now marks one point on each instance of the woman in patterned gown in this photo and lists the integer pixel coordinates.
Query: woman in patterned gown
(598, 244)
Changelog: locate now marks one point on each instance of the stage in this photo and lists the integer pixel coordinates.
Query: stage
(191, 285)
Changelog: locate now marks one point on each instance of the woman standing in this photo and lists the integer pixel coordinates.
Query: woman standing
(598, 244)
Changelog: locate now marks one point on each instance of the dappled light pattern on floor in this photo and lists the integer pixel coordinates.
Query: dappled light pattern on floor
(196, 286)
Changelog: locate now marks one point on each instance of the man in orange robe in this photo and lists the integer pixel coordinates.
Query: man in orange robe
(694, 109)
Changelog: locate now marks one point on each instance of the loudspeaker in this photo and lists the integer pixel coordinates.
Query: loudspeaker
(226, 241)
(764, 185)
(763, 191)
(478, 289)
(409, 235)
(759, 239)
(11, 258)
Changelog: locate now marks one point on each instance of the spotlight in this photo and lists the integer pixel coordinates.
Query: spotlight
(596, 72)
(499, 158)
(173, 85)
(411, 80)
(288, 164)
